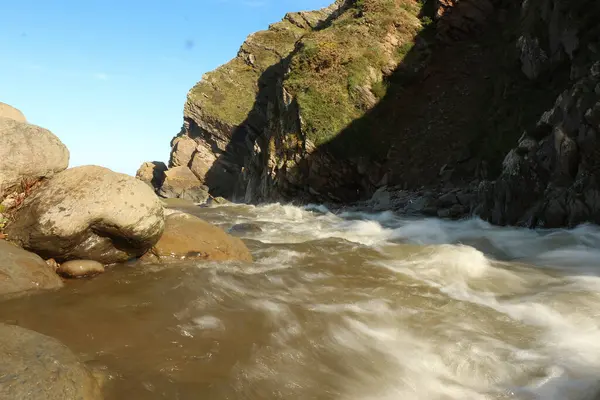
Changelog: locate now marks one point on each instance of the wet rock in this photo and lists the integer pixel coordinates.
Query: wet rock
(10, 112)
(153, 173)
(90, 213)
(457, 211)
(444, 213)
(381, 199)
(180, 182)
(219, 200)
(189, 237)
(80, 268)
(21, 271)
(447, 200)
(38, 367)
(51, 262)
(465, 198)
(27, 154)
(175, 203)
(245, 228)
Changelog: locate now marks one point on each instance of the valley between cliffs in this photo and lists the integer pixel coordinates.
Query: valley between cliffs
(443, 107)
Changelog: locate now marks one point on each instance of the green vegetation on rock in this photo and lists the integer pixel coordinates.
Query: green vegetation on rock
(333, 62)
(337, 73)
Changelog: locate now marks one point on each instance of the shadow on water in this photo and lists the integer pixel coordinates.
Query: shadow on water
(452, 109)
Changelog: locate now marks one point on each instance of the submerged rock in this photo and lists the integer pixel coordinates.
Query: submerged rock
(153, 173)
(245, 228)
(175, 203)
(189, 237)
(180, 182)
(38, 367)
(90, 213)
(21, 270)
(80, 268)
(27, 154)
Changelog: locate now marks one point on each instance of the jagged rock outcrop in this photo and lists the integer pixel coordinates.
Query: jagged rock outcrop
(257, 120)
(181, 183)
(551, 178)
(153, 173)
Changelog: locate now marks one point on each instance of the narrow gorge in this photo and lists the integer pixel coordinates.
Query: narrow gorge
(449, 108)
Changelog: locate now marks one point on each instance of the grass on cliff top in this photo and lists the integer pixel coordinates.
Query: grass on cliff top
(333, 68)
(229, 92)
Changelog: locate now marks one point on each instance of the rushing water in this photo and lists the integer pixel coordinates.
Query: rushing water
(350, 306)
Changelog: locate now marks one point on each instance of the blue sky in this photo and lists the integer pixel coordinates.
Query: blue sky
(109, 77)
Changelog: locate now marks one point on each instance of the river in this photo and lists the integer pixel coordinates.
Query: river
(346, 305)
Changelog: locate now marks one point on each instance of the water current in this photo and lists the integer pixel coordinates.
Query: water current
(345, 305)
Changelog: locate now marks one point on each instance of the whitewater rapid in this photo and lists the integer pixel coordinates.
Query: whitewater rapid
(346, 305)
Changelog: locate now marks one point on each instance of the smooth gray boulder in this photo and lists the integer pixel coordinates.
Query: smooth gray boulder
(90, 213)
(21, 271)
(153, 173)
(10, 112)
(38, 367)
(28, 152)
(180, 182)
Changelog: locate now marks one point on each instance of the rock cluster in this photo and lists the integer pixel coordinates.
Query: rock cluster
(71, 222)
(185, 177)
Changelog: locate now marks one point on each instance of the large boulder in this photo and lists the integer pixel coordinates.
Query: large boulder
(184, 148)
(10, 112)
(38, 367)
(21, 271)
(202, 162)
(187, 236)
(153, 173)
(180, 182)
(91, 213)
(28, 152)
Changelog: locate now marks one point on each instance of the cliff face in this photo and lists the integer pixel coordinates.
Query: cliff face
(259, 119)
(551, 178)
(331, 105)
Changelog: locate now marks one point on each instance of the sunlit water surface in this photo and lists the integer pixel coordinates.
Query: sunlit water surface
(349, 306)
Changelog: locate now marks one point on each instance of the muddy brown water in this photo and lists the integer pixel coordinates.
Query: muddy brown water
(343, 306)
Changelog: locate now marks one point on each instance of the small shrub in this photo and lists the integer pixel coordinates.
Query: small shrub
(426, 21)
(379, 89)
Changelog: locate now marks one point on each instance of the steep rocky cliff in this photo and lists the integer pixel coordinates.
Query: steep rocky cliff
(332, 105)
(551, 179)
(259, 121)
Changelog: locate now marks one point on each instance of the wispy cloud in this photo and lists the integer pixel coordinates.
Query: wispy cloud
(101, 76)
